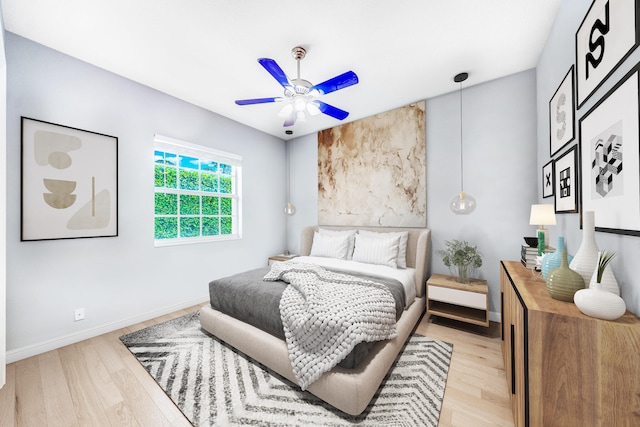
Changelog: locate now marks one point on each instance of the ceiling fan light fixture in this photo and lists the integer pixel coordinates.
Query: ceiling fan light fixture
(313, 109)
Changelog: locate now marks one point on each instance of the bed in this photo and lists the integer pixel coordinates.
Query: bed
(347, 389)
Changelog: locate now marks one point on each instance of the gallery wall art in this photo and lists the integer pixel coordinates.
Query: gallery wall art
(561, 109)
(69, 182)
(610, 158)
(372, 172)
(566, 182)
(606, 36)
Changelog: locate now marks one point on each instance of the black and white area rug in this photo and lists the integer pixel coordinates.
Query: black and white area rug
(214, 385)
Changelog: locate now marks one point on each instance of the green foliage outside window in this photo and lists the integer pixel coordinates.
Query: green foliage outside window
(183, 209)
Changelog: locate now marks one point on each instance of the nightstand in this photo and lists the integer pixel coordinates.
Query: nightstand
(467, 302)
(281, 257)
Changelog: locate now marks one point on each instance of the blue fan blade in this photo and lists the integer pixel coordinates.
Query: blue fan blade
(338, 82)
(256, 101)
(274, 69)
(332, 111)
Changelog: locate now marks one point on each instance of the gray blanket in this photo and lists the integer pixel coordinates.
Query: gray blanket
(326, 314)
(247, 297)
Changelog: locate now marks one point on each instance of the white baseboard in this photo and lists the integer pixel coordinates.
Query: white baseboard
(494, 316)
(52, 344)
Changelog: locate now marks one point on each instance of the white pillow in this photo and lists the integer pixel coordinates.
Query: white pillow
(377, 250)
(350, 233)
(329, 246)
(402, 248)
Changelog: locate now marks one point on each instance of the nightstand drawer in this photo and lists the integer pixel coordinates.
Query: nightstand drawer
(458, 297)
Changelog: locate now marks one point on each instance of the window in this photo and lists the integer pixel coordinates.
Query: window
(197, 193)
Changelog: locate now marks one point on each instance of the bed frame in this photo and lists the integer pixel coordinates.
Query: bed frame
(349, 390)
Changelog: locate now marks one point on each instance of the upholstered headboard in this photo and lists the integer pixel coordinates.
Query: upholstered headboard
(418, 247)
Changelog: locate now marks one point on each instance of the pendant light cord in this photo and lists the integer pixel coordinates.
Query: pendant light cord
(461, 165)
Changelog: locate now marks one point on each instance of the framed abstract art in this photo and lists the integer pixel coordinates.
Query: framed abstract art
(548, 179)
(610, 158)
(561, 115)
(566, 182)
(606, 36)
(69, 182)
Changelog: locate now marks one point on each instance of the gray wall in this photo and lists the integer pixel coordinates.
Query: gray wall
(122, 279)
(556, 59)
(499, 171)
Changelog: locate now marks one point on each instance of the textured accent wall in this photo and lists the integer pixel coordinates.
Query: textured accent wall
(372, 172)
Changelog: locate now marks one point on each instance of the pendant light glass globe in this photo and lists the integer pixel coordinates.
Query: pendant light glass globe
(462, 203)
(290, 209)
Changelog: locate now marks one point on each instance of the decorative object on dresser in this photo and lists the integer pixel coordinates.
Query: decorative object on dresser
(584, 261)
(542, 215)
(603, 274)
(552, 260)
(564, 368)
(597, 301)
(461, 258)
(563, 282)
(466, 302)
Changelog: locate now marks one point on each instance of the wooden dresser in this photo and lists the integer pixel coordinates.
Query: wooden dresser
(564, 368)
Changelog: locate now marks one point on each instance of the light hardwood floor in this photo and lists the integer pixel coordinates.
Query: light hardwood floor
(97, 382)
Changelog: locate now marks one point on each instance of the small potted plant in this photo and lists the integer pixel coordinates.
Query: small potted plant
(461, 258)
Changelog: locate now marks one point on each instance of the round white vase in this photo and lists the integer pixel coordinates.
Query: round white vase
(598, 303)
(586, 259)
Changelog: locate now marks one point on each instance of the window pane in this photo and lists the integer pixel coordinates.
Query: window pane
(158, 157)
(189, 226)
(226, 205)
(166, 228)
(189, 205)
(171, 159)
(209, 166)
(189, 162)
(159, 176)
(170, 177)
(226, 169)
(210, 226)
(210, 205)
(227, 225)
(226, 185)
(189, 180)
(166, 204)
(209, 182)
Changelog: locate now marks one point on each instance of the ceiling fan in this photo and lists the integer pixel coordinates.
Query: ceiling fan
(302, 96)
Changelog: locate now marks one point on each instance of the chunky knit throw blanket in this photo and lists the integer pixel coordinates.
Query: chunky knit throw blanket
(326, 314)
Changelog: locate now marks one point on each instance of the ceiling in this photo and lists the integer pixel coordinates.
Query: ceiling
(205, 51)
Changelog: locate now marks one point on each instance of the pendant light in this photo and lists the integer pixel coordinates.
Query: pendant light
(462, 203)
(290, 208)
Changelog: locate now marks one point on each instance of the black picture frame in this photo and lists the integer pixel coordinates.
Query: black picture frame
(566, 182)
(69, 182)
(548, 179)
(610, 158)
(562, 108)
(607, 35)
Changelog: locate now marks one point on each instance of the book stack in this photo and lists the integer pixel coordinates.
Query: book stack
(529, 255)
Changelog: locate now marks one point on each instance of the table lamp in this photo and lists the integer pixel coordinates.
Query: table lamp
(542, 215)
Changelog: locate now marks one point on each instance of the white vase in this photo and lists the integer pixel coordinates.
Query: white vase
(598, 303)
(608, 282)
(586, 259)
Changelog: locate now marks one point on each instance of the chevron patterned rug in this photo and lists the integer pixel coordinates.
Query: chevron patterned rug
(215, 385)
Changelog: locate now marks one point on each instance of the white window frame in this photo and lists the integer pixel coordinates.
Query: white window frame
(176, 146)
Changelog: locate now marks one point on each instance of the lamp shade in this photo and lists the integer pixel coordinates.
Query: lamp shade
(542, 215)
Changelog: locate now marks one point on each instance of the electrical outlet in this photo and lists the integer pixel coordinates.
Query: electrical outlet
(79, 314)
